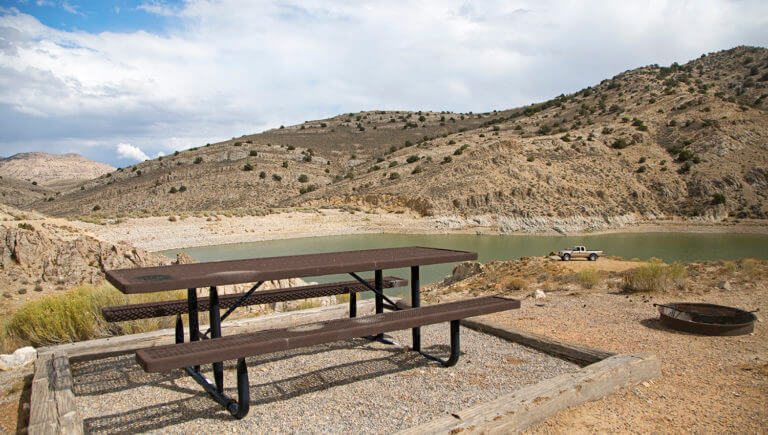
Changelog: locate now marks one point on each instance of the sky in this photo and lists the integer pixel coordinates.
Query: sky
(127, 80)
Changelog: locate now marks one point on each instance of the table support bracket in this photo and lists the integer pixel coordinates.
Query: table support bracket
(239, 408)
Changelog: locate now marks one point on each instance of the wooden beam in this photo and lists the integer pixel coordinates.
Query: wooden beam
(582, 355)
(517, 411)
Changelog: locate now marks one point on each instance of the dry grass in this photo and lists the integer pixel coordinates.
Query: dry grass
(516, 283)
(589, 278)
(76, 316)
(656, 277)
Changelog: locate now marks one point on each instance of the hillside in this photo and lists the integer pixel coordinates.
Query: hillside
(44, 168)
(685, 140)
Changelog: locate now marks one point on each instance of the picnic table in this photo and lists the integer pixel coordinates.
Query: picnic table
(211, 347)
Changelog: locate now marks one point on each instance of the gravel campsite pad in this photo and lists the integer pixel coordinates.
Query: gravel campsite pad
(353, 385)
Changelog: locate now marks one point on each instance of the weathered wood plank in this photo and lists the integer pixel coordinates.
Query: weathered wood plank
(98, 348)
(514, 412)
(69, 418)
(42, 411)
(577, 353)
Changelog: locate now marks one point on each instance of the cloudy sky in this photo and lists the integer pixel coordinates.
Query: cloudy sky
(125, 80)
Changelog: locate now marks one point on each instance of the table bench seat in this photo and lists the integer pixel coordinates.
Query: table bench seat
(168, 357)
(120, 313)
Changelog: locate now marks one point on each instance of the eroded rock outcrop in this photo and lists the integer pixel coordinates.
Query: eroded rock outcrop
(47, 255)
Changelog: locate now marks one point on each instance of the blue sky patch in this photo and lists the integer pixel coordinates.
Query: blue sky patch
(93, 16)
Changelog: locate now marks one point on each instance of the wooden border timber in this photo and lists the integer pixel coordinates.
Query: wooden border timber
(573, 352)
(521, 409)
(52, 406)
(602, 374)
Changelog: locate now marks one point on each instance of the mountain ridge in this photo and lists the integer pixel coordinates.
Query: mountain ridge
(685, 140)
(41, 167)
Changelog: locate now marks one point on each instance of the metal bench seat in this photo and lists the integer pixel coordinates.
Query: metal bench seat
(167, 357)
(120, 313)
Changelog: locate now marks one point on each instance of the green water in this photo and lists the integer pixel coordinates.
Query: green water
(684, 247)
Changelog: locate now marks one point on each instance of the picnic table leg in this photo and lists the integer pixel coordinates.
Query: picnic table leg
(378, 283)
(416, 302)
(194, 326)
(215, 318)
(352, 304)
(179, 329)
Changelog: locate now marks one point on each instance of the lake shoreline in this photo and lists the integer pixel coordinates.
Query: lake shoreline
(161, 233)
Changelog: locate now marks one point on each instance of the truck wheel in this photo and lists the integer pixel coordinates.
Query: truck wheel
(566, 257)
(592, 257)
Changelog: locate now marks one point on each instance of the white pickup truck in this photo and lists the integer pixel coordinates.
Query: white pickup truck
(579, 252)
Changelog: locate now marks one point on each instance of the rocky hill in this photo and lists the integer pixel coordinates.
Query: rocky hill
(685, 140)
(44, 168)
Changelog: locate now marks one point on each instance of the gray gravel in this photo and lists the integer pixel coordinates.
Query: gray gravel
(354, 385)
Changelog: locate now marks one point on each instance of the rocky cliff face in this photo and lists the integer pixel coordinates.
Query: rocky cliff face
(40, 257)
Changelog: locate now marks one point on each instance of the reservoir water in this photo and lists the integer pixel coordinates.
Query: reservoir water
(683, 247)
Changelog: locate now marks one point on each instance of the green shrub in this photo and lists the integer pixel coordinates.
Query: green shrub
(96, 207)
(718, 198)
(26, 226)
(277, 177)
(307, 189)
(394, 176)
(303, 178)
(291, 147)
(248, 167)
(262, 175)
(619, 144)
(253, 153)
(198, 160)
(656, 276)
(284, 164)
(182, 188)
(393, 163)
(172, 189)
(447, 159)
(531, 158)
(416, 170)
(411, 159)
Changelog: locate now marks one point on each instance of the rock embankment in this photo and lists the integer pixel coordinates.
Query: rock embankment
(39, 257)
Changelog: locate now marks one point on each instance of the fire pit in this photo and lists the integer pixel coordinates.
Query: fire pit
(706, 319)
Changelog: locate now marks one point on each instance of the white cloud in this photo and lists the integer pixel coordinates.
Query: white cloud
(70, 8)
(128, 151)
(231, 67)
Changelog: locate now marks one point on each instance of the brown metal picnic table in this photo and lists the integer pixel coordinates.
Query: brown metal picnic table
(258, 270)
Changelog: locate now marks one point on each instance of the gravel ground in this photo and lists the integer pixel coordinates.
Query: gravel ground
(354, 385)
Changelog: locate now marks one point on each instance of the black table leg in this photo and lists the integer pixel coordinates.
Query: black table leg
(416, 302)
(215, 317)
(352, 304)
(378, 283)
(194, 326)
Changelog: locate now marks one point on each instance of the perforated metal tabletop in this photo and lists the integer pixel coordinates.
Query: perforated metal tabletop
(214, 273)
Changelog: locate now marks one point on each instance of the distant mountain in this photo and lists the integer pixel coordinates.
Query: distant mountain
(658, 141)
(45, 168)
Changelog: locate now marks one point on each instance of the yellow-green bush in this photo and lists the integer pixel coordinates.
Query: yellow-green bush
(589, 278)
(75, 316)
(516, 283)
(751, 267)
(656, 276)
